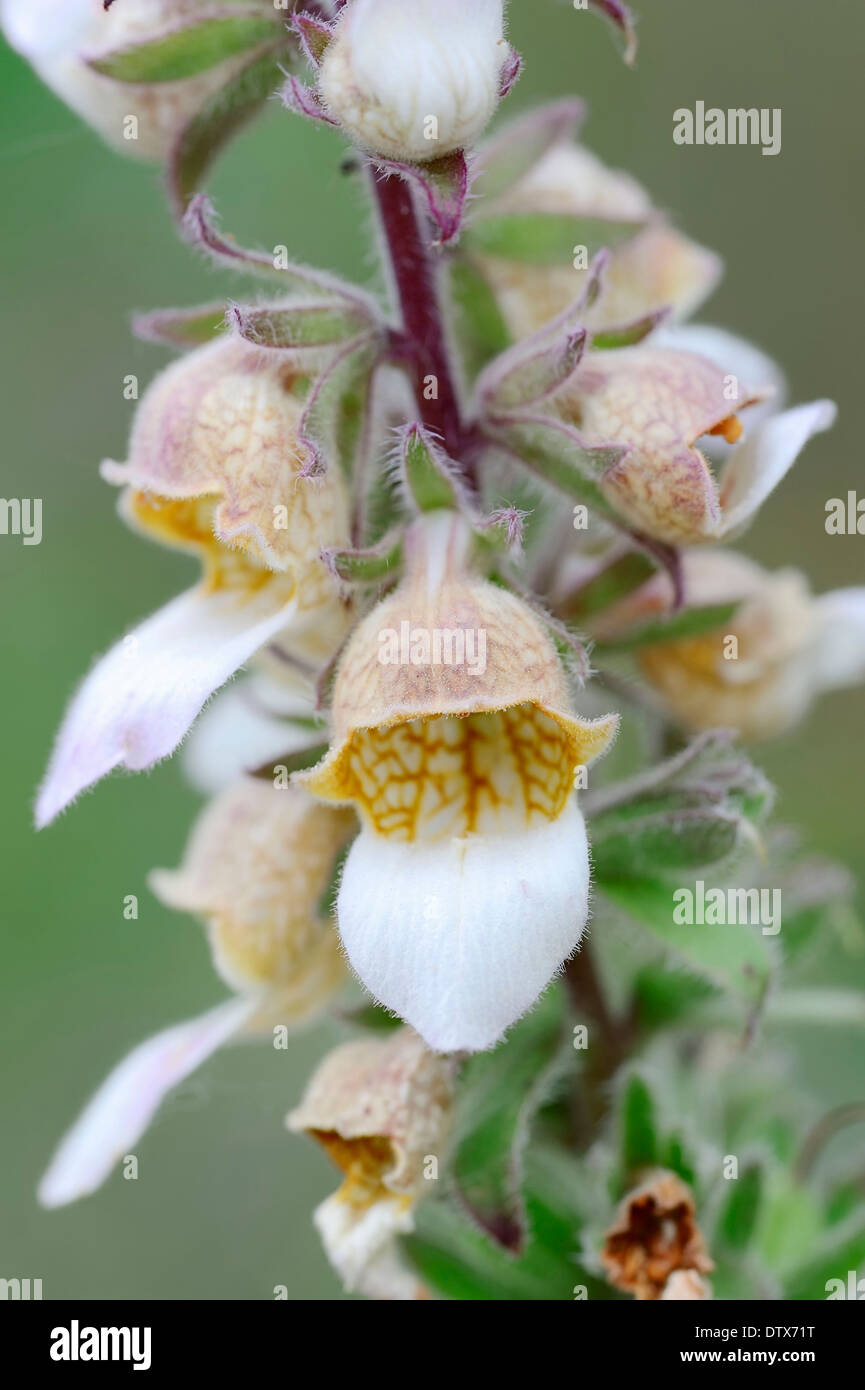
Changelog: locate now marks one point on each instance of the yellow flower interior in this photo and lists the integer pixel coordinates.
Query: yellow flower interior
(187, 524)
(448, 776)
(363, 1161)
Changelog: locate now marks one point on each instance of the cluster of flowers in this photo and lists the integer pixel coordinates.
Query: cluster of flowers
(442, 813)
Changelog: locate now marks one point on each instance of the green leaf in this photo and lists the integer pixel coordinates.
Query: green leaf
(427, 473)
(671, 841)
(695, 811)
(691, 622)
(541, 238)
(840, 1250)
(373, 1018)
(481, 329)
(638, 1127)
(553, 451)
(462, 1263)
(665, 996)
(216, 123)
(368, 566)
(790, 1224)
(734, 956)
(612, 581)
(181, 327)
(188, 49)
(334, 423)
(524, 376)
(311, 325)
(741, 1210)
(629, 334)
(500, 1093)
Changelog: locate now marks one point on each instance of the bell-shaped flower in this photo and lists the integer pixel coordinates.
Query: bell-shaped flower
(257, 870)
(381, 1109)
(651, 267)
(71, 45)
(217, 467)
(762, 669)
(454, 738)
(415, 79)
(654, 404)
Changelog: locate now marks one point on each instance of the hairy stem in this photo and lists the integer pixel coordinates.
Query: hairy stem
(424, 346)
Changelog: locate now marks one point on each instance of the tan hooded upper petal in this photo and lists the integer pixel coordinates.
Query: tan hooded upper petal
(220, 429)
(380, 1108)
(444, 748)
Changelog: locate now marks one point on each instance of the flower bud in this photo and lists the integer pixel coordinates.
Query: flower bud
(454, 739)
(654, 1237)
(381, 1111)
(651, 266)
(141, 119)
(257, 869)
(415, 79)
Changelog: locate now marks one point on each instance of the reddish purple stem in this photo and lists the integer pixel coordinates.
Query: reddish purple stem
(423, 343)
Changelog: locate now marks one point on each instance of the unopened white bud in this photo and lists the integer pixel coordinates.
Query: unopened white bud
(415, 79)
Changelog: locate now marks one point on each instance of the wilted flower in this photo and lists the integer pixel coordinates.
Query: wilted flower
(760, 671)
(656, 403)
(257, 870)
(468, 885)
(381, 1111)
(415, 79)
(216, 468)
(654, 1237)
(61, 38)
(651, 265)
(686, 1285)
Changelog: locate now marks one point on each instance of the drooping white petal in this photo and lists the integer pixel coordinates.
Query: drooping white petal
(141, 698)
(840, 658)
(121, 1110)
(757, 466)
(361, 1244)
(460, 936)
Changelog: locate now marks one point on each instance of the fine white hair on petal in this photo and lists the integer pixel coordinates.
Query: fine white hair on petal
(460, 936)
(141, 698)
(840, 659)
(757, 466)
(361, 1244)
(124, 1105)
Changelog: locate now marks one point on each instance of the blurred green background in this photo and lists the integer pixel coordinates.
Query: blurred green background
(222, 1206)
